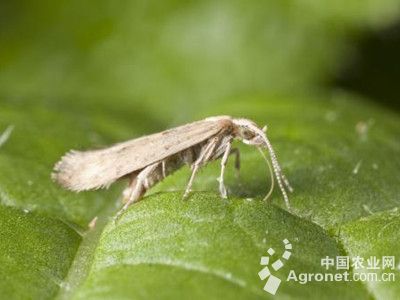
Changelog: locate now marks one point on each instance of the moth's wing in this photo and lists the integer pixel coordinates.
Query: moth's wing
(99, 168)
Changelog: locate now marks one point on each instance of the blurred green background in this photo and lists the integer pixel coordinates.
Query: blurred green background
(200, 52)
(84, 74)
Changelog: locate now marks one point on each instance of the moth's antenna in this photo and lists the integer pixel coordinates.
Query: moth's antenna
(270, 173)
(278, 171)
(286, 182)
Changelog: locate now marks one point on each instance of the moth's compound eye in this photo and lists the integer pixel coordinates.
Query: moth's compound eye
(247, 134)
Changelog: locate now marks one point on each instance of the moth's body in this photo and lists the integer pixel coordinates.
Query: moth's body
(156, 172)
(148, 160)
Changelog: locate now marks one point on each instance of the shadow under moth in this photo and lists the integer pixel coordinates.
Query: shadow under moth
(147, 160)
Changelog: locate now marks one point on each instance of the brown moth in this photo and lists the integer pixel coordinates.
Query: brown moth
(147, 160)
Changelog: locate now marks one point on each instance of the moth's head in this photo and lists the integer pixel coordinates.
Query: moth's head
(249, 132)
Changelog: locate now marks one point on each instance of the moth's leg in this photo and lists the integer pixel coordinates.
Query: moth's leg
(236, 152)
(188, 189)
(141, 184)
(92, 223)
(224, 160)
(130, 188)
(140, 187)
(163, 169)
(204, 156)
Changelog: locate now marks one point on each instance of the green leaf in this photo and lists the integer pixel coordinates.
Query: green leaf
(35, 254)
(84, 75)
(376, 235)
(167, 248)
(339, 169)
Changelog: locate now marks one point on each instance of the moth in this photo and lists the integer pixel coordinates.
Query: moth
(147, 160)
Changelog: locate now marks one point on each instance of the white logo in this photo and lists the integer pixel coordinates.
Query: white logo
(355, 268)
(273, 282)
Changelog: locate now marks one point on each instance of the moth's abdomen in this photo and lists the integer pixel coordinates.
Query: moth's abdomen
(171, 164)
